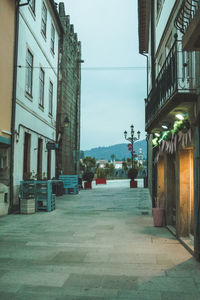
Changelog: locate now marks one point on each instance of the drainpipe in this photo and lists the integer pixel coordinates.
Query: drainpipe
(153, 75)
(14, 105)
(145, 55)
(14, 86)
(152, 43)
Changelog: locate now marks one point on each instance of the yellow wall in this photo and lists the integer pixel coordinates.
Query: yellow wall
(7, 21)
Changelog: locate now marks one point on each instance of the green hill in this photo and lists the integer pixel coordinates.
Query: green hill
(120, 151)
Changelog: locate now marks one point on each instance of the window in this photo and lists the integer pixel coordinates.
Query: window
(52, 37)
(50, 98)
(32, 5)
(44, 19)
(29, 72)
(41, 86)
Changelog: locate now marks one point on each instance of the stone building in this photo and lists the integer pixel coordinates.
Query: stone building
(169, 38)
(68, 112)
(7, 34)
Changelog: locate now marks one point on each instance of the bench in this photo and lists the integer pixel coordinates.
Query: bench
(70, 182)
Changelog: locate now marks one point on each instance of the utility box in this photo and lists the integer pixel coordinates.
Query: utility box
(4, 199)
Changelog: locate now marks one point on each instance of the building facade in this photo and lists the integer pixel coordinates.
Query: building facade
(7, 33)
(172, 112)
(68, 113)
(40, 30)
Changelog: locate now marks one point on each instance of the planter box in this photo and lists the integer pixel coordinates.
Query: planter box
(101, 181)
(133, 184)
(87, 185)
(158, 216)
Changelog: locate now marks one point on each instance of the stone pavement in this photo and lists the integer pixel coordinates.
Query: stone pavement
(98, 245)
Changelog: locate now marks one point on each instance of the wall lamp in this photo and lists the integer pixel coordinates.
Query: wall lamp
(165, 126)
(181, 116)
(157, 134)
(66, 121)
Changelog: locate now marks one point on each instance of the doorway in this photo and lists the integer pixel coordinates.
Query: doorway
(49, 164)
(26, 162)
(39, 159)
(186, 192)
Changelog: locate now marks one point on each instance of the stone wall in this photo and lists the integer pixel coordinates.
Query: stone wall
(68, 99)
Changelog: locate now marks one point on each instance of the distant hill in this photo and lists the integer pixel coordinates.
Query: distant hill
(120, 151)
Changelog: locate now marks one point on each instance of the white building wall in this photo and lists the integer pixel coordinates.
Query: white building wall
(161, 20)
(30, 117)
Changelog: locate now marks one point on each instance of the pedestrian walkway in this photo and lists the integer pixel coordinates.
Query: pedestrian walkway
(98, 245)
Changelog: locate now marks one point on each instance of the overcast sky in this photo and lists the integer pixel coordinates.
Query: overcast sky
(111, 100)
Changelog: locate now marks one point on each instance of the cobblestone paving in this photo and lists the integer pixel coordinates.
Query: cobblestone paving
(100, 244)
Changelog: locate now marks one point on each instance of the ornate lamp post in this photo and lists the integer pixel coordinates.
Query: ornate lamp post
(132, 139)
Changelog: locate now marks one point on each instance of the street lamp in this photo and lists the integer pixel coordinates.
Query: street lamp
(132, 139)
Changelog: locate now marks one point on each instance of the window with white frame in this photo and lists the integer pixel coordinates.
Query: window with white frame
(44, 20)
(41, 87)
(29, 73)
(50, 98)
(32, 5)
(52, 38)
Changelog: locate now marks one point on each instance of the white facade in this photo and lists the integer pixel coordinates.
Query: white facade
(39, 121)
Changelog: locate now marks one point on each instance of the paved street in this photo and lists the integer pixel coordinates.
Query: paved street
(100, 244)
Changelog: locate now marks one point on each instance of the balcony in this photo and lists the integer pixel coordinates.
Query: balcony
(174, 86)
(188, 23)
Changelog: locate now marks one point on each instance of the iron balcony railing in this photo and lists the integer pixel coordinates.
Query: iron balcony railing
(175, 78)
(186, 14)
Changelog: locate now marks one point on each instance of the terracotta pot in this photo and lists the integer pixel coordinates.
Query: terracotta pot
(101, 181)
(133, 184)
(158, 216)
(87, 185)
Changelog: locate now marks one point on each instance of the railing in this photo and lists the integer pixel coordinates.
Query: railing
(186, 14)
(175, 77)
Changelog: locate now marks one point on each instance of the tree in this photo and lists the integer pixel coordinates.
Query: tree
(89, 163)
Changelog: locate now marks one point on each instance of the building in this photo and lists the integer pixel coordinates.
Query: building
(68, 113)
(168, 38)
(102, 163)
(40, 30)
(7, 33)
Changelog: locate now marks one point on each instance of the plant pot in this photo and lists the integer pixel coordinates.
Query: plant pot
(101, 181)
(27, 206)
(133, 184)
(87, 185)
(158, 216)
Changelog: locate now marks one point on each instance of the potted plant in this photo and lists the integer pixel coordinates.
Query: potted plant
(88, 177)
(101, 176)
(132, 174)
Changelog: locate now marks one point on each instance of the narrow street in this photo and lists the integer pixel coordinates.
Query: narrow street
(100, 244)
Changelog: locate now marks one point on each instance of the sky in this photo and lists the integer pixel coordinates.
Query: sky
(111, 100)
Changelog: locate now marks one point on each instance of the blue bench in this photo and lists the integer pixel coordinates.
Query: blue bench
(70, 183)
